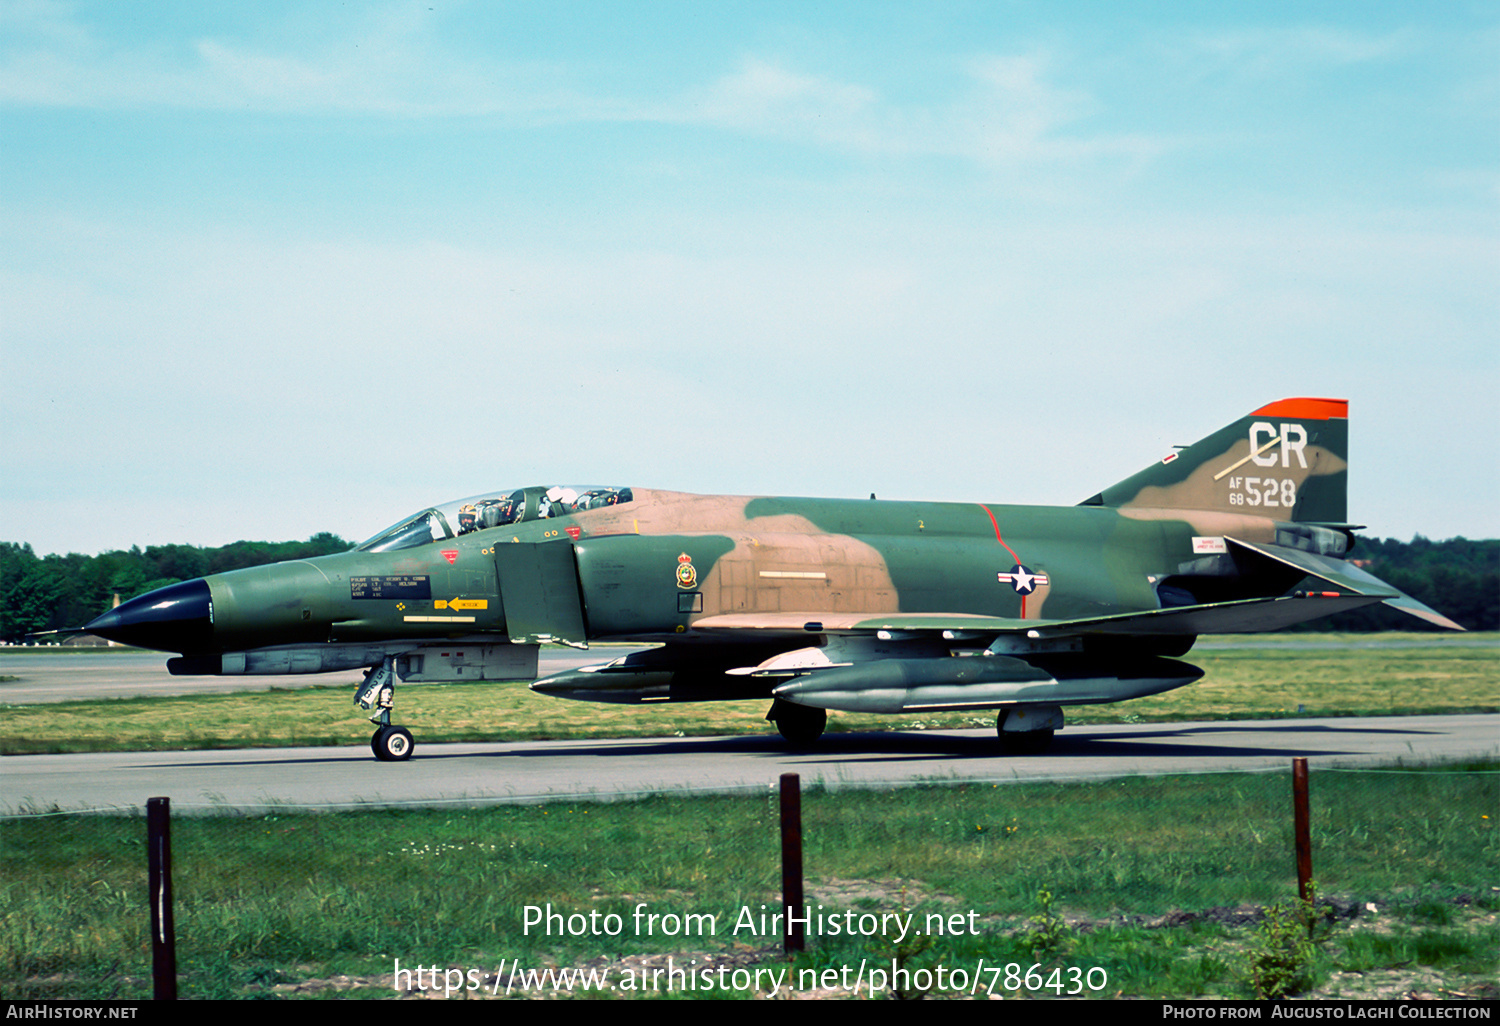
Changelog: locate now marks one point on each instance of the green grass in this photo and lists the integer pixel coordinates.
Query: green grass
(322, 905)
(1240, 683)
(276, 901)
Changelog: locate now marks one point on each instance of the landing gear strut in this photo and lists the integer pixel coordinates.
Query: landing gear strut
(378, 691)
(801, 725)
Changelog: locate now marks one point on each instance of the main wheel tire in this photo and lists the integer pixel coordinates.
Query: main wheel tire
(1021, 742)
(392, 744)
(800, 725)
(1030, 742)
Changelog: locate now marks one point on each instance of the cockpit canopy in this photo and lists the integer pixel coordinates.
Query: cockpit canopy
(495, 509)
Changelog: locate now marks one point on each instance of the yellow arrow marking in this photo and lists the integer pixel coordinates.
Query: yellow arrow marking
(461, 603)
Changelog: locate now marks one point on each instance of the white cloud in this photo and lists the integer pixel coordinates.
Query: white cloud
(1274, 52)
(1002, 109)
(392, 62)
(762, 96)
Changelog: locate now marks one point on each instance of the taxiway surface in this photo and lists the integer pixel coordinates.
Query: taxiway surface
(331, 779)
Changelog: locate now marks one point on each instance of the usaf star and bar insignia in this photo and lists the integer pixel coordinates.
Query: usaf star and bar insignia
(1025, 581)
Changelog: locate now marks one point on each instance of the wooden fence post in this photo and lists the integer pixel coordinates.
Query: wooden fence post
(159, 886)
(793, 932)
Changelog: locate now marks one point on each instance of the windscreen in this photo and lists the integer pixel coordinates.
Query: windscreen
(494, 509)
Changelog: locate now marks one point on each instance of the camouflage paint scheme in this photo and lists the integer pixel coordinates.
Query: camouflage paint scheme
(815, 603)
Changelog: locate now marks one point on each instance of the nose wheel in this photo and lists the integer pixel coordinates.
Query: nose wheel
(392, 744)
(378, 691)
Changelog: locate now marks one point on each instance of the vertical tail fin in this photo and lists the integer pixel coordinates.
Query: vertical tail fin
(1288, 460)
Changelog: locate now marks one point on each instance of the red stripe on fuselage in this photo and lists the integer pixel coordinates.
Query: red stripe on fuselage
(1007, 549)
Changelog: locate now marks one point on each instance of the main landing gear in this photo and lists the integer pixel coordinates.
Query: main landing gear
(378, 691)
(1028, 730)
(801, 725)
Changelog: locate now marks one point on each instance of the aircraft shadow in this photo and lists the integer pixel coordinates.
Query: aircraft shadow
(913, 747)
(889, 746)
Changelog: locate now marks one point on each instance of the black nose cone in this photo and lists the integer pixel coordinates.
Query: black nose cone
(177, 618)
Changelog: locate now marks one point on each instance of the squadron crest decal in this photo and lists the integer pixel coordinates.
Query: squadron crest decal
(687, 574)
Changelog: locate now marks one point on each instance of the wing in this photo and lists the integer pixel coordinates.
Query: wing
(909, 662)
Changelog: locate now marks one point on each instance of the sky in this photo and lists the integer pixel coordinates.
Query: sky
(279, 268)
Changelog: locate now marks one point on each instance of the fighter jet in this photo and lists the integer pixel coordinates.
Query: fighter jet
(813, 604)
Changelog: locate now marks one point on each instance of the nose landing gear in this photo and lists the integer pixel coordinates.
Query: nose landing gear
(378, 691)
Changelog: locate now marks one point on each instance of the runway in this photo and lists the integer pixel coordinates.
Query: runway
(333, 779)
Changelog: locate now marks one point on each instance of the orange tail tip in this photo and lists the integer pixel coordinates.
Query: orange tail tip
(1306, 409)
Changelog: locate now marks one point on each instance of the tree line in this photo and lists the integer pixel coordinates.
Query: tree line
(1459, 578)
